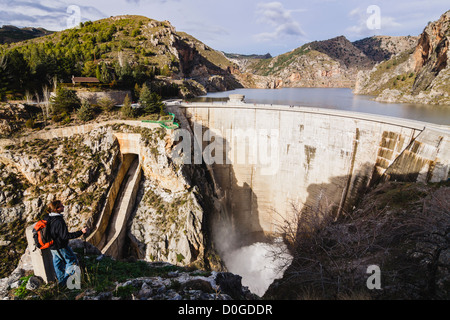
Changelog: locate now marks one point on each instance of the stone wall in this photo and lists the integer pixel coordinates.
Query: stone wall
(93, 97)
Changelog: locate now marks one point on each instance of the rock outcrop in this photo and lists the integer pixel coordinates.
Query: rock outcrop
(168, 281)
(420, 75)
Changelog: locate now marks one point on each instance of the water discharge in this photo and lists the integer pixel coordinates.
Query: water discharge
(259, 264)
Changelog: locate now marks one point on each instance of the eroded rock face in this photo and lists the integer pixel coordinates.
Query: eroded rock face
(431, 52)
(168, 223)
(78, 171)
(420, 76)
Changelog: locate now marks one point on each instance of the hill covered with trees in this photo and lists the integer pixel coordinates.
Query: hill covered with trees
(120, 51)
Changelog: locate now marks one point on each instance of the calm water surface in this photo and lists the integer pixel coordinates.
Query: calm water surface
(339, 99)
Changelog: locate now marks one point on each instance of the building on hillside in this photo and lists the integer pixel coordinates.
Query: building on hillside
(81, 80)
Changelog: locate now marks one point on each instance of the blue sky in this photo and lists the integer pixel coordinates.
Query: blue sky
(243, 26)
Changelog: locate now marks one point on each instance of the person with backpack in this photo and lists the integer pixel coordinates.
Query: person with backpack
(64, 259)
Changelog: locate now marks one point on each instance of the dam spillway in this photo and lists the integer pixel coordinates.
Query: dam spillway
(312, 157)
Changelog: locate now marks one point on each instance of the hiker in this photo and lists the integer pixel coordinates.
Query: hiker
(64, 259)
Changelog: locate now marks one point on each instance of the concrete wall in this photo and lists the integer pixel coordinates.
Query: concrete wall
(124, 208)
(324, 158)
(98, 233)
(93, 97)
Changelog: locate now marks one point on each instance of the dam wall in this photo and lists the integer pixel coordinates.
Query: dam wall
(273, 157)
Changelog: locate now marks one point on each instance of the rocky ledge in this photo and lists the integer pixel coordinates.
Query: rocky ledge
(158, 281)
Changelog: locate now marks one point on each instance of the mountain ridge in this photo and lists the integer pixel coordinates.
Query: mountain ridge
(327, 63)
(11, 34)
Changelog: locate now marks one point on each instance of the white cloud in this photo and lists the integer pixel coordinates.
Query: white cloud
(281, 21)
(204, 30)
(51, 15)
(364, 18)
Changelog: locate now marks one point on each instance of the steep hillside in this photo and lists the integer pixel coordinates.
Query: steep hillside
(121, 51)
(329, 63)
(402, 228)
(420, 75)
(380, 48)
(10, 34)
(302, 67)
(342, 50)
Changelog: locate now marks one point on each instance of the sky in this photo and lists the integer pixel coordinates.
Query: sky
(242, 26)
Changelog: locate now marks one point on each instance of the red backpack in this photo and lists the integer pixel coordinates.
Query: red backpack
(41, 235)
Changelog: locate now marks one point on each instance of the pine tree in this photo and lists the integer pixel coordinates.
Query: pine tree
(65, 101)
(127, 110)
(85, 113)
(150, 101)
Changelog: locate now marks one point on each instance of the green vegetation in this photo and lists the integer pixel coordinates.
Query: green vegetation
(9, 34)
(10, 254)
(21, 292)
(85, 113)
(65, 101)
(126, 110)
(267, 67)
(112, 50)
(402, 81)
(150, 101)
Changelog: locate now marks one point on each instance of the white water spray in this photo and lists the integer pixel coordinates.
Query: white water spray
(258, 264)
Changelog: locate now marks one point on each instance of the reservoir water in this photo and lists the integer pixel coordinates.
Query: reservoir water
(339, 99)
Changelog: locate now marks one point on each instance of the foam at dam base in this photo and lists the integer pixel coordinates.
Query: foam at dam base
(258, 264)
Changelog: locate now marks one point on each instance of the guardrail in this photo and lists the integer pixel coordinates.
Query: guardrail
(167, 124)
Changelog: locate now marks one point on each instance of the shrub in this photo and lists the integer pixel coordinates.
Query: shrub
(106, 104)
(85, 113)
(65, 101)
(29, 124)
(135, 32)
(127, 111)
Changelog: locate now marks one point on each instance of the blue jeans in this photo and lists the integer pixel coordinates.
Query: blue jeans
(64, 262)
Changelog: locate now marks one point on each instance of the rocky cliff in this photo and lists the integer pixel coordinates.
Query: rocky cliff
(174, 202)
(170, 220)
(419, 75)
(78, 171)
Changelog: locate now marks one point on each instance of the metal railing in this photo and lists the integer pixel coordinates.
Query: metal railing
(167, 124)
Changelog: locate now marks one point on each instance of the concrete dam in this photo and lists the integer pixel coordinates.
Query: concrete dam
(265, 159)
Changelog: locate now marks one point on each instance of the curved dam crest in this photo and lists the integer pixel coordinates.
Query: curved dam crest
(320, 158)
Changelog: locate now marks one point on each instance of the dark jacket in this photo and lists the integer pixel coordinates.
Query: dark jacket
(59, 232)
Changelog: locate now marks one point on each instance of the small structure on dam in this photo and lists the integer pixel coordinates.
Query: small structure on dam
(237, 98)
